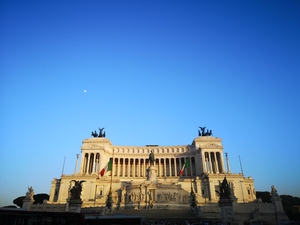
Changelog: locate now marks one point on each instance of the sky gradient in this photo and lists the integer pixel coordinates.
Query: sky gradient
(153, 71)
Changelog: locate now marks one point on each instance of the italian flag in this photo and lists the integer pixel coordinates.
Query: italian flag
(186, 165)
(106, 168)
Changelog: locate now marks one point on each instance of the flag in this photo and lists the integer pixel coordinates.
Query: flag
(186, 165)
(106, 168)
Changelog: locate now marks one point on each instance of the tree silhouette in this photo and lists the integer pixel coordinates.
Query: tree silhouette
(10, 206)
(265, 196)
(38, 199)
(290, 205)
(19, 201)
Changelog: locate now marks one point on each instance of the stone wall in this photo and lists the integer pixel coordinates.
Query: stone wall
(48, 207)
(245, 212)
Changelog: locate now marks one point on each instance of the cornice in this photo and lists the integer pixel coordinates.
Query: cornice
(207, 139)
(150, 147)
(157, 156)
(104, 144)
(97, 140)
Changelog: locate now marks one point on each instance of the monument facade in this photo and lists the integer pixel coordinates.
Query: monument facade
(151, 175)
(158, 180)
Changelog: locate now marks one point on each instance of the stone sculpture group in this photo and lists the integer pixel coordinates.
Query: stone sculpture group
(202, 132)
(75, 191)
(101, 134)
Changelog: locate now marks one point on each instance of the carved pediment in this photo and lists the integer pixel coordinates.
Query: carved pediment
(212, 145)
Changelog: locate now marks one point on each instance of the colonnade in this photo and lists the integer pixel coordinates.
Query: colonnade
(165, 167)
(214, 162)
(90, 163)
(137, 167)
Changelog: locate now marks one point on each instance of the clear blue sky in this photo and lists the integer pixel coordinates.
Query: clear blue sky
(153, 71)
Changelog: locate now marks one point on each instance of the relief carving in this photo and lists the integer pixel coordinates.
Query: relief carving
(211, 145)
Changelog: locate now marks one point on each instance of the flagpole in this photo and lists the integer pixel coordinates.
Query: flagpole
(192, 195)
(109, 197)
(112, 166)
(191, 173)
(190, 163)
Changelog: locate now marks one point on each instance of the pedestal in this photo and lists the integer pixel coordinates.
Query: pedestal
(74, 205)
(27, 204)
(152, 174)
(227, 215)
(280, 213)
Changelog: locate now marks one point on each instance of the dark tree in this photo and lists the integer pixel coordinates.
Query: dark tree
(10, 206)
(19, 201)
(290, 205)
(265, 196)
(38, 199)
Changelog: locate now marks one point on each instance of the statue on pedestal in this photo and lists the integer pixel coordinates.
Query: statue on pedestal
(28, 200)
(151, 157)
(151, 176)
(274, 191)
(225, 203)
